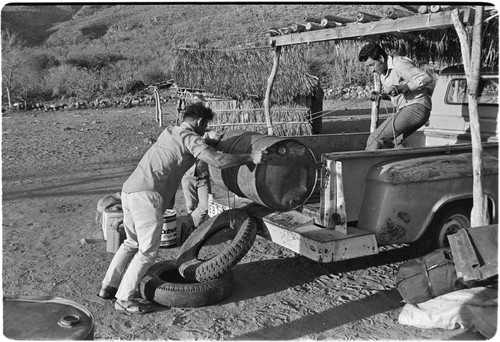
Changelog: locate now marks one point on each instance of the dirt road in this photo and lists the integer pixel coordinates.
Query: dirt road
(57, 165)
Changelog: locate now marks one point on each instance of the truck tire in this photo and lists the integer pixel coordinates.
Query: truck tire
(447, 221)
(164, 285)
(194, 269)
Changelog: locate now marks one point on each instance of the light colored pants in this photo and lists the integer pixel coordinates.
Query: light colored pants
(196, 192)
(143, 222)
(405, 122)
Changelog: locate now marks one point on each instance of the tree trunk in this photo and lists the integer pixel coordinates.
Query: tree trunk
(479, 215)
(270, 82)
(472, 66)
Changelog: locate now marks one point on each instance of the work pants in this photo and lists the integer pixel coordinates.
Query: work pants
(143, 222)
(405, 122)
(196, 192)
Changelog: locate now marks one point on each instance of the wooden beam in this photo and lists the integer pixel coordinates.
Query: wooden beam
(363, 17)
(429, 21)
(414, 9)
(338, 19)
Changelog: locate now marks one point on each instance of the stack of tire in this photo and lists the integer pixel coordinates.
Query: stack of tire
(191, 282)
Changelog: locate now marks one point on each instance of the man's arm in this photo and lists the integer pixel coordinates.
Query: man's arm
(226, 160)
(416, 78)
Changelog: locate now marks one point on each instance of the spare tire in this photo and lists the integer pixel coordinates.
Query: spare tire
(191, 268)
(164, 285)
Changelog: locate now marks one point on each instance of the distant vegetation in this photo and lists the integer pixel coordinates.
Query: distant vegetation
(84, 52)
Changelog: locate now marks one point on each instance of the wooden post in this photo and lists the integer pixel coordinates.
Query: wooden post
(377, 86)
(270, 82)
(472, 65)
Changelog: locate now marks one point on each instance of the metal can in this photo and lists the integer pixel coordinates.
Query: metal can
(169, 230)
(46, 318)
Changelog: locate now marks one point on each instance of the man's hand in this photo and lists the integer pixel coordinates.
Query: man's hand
(395, 90)
(392, 91)
(375, 96)
(213, 137)
(260, 157)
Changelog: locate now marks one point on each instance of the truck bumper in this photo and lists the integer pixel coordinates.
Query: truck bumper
(298, 233)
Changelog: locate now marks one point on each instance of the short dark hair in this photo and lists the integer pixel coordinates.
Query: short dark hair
(197, 111)
(373, 51)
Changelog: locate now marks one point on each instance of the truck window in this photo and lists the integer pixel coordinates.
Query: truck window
(488, 92)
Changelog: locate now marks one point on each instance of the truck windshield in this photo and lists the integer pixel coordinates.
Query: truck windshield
(488, 92)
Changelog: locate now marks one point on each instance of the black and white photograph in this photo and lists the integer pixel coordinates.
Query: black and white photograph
(262, 170)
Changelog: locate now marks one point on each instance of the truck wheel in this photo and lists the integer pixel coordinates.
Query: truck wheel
(448, 221)
(192, 268)
(164, 285)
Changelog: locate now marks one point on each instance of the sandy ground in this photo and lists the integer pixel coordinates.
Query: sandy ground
(57, 165)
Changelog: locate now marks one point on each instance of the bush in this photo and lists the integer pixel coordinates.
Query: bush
(154, 73)
(93, 61)
(67, 81)
(41, 61)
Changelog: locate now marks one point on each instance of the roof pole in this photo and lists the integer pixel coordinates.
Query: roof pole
(270, 82)
(472, 64)
(377, 86)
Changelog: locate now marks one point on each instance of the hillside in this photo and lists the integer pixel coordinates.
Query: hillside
(33, 23)
(91, 51)
(163, 26)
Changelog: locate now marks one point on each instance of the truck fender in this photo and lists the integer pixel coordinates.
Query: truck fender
(402, 197)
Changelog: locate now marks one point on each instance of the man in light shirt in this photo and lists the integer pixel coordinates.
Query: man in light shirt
(406, 86)
(149, 191)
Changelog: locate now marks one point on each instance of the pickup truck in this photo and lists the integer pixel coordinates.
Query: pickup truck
(414, 195)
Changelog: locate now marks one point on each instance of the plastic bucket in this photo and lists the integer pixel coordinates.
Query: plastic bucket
(46, 318)
(169, 230)
(283, 183)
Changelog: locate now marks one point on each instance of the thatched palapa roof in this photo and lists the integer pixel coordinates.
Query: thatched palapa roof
(426, 34)
(240, 73)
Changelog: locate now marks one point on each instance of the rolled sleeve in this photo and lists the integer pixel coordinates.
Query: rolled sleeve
(196, 144)
(417, 78)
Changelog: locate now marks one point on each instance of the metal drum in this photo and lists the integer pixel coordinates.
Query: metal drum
(46, 318)
(282, 183)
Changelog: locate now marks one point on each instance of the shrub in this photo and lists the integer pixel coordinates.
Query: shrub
(41, 61)
(93, 61)
(154, 73)
(68, 80)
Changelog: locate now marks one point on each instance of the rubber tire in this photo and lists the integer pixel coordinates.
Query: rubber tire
(177, 292)
(435, 236)
(191, 268)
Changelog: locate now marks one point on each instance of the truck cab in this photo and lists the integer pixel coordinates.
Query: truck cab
(449, 121)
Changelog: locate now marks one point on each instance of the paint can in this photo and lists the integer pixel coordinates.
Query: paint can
(169, 230)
